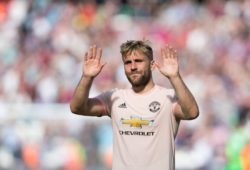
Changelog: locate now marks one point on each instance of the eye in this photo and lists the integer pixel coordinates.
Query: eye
(138, 60)
(127, 62)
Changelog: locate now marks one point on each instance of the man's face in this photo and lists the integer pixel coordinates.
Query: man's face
(137, 68)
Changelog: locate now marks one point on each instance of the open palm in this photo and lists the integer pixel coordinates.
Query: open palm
(169, 66)
(92, 66)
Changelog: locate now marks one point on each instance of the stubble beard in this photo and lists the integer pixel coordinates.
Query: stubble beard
(142, 80)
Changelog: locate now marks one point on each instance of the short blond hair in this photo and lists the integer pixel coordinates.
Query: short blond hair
(142, 45)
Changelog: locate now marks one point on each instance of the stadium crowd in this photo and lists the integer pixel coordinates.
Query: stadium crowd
(41, 50)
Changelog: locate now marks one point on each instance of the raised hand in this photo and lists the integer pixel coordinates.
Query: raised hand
(92, 65)
(169, 66)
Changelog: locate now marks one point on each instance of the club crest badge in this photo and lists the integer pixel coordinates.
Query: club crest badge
(154, 106)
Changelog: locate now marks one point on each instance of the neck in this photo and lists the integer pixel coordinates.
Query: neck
(144, 88)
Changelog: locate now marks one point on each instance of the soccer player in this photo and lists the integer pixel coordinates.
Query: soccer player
(145, 117)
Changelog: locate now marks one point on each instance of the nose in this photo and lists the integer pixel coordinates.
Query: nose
(133, 66)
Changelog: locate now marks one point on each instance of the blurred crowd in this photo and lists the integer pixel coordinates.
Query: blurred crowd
(42, 44)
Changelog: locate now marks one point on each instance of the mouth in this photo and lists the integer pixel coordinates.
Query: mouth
(135, 74)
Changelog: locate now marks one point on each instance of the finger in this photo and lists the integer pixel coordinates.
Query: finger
(85, 57)
(175, 54)
(90, 53)
(167, 51)
(94, 51)
(171, 52)
(99, 54)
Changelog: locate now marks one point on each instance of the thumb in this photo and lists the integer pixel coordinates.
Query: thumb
(103, 64)
(100, 67)
(157, 64)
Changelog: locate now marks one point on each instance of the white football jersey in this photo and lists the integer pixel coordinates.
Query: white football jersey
(144, 128)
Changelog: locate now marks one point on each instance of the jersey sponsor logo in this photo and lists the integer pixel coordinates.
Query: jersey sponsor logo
(154, 106)
(123, 105)
(137, 122)
(136, 133)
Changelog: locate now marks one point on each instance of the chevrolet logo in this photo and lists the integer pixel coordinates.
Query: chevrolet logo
(136, 122)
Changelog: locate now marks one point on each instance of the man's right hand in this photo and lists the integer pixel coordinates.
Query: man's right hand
(92, 66)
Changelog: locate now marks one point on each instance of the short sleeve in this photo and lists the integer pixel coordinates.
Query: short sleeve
(173, 99)
(171, 95)
(105, 99)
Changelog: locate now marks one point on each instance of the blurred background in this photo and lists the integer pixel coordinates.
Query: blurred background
(42, 43)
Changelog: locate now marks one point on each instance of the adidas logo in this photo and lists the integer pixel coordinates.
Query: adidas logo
(123, 105)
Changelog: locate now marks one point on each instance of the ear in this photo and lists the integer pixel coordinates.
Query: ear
(152, 65)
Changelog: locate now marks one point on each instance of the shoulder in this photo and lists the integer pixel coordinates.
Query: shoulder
(112, 93)
(168, 91)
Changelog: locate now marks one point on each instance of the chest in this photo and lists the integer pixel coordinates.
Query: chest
(139, 112)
